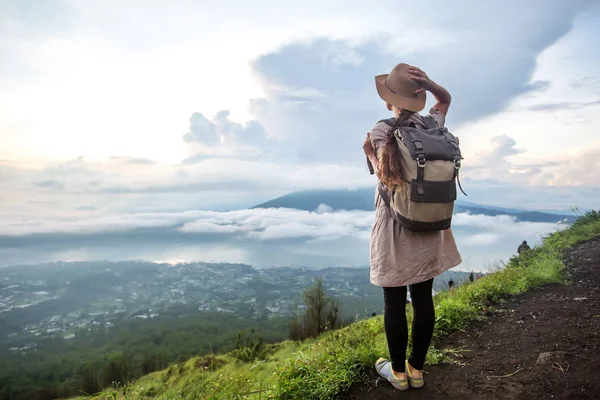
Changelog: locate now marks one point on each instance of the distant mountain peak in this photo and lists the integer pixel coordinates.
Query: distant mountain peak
(327, 200)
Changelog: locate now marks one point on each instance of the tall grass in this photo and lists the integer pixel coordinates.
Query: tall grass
(234, 379)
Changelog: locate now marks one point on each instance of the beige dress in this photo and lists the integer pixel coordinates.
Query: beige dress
(400, 256)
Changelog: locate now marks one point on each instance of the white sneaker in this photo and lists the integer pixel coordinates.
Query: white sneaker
(384, 369)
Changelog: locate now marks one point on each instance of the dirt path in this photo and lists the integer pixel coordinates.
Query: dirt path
(561, 323)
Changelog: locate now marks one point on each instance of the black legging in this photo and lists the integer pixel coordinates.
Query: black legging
(396, 330)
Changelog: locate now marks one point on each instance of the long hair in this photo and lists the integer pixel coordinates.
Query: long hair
(389, 156)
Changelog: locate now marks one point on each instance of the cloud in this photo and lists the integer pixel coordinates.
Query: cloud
(202, 131)
(221, 137)
(483, 239)
(501, 224)
(133, 160)
(259, 224)
(25, 24)
(121, 175)
(565, 171)
(265, 236)
(209, 227)
(563, 106)
(576, 169)
(503, 146)
(50, 183)
(494, 160)
(86, 208)
(584, 81)
(485, 67)
(277, 224)
(68, 189)
(37, 17)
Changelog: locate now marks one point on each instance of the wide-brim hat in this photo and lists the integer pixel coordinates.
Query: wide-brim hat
(397, 89)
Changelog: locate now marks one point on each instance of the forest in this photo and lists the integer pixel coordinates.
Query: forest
(93, 359)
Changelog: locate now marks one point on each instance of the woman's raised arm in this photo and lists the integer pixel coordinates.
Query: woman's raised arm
(441, 95)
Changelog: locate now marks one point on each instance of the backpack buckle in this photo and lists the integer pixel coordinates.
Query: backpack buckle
(421, 161)
(457, 164)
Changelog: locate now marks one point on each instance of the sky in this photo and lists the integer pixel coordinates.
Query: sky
(134, 111)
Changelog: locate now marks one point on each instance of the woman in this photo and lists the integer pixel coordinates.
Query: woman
(400, 257)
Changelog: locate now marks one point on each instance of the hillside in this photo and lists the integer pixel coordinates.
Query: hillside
(332, 365)
(362, 199)
(94, 323)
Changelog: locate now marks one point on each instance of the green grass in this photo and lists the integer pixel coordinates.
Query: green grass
(324, 368)
(209, 377)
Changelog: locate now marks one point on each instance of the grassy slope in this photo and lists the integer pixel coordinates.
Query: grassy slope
(325, 367)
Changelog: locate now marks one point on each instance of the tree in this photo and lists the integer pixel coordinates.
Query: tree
(333, 316)
(321, 313)
(118, 369)
(151, 362)
(249, 347)
(296, 327)
(315, 300)
(90, 378)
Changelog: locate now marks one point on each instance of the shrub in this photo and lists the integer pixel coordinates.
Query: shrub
(249, 347)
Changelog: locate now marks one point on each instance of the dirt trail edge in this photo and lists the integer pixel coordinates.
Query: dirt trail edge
(544, 344)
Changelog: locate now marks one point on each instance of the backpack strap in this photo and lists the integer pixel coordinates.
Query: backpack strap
(389, 122)
(429, 121)
(386, 199)
(383, 194)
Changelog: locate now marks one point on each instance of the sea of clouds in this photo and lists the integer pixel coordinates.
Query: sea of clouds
(261, 237)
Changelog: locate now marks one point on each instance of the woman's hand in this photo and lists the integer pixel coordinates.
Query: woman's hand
(441, 95)
(368, 146)
(416, 74)
(372, 161)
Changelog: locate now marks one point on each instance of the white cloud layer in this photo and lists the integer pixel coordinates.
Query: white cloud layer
(256, 236)
(265, 224)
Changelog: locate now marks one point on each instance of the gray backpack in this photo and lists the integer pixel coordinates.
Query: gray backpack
(430, 162)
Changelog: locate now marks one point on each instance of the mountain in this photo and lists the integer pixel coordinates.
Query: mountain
(309, 200)
(362, 199)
